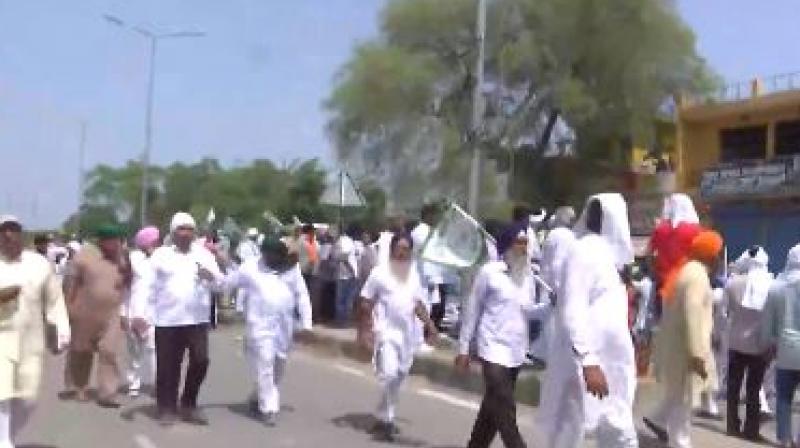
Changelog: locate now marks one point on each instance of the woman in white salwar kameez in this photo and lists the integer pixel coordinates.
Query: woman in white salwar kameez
(591, 379)
(391, 302)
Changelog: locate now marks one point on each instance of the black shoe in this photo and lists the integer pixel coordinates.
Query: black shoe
(167, 419)
(660, 432)
(108, 404)
(270, 419)
(385, 432)
(194, 416)
(709, 416)
(756, 438)
(252, 406)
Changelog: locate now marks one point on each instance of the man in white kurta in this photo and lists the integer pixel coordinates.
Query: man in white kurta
(184, 274)
(276, 295)
(496, 325)
(28, 290)
(392, 300)
(591, 376)
(140, 335)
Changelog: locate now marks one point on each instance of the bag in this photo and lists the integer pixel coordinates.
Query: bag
(789, 341)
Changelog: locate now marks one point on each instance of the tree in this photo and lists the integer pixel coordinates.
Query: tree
(243, 193)
(582, 78)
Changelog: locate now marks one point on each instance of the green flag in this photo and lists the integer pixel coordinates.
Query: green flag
(457, 241)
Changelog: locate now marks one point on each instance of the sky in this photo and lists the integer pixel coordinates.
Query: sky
(253, 87)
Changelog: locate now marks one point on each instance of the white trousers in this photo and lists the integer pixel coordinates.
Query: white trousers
(391, 375)
(267, 367)
(141, 360)
(674, 414)
(14, 414)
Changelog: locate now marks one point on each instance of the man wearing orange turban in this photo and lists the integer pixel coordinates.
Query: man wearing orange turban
(683, 349)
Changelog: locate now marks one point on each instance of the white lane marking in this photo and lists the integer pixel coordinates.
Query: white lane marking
(142, 441)
(447, 398)
(349, 370)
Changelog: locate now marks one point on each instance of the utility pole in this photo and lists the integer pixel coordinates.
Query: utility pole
(81, 175)
(477, 112)
(153, 39)
(148, 131)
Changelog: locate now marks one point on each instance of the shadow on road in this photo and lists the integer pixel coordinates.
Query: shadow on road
(646, 441)
(365, 423)
(148, 410)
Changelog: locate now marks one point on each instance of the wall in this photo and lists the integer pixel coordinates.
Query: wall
(699, 127)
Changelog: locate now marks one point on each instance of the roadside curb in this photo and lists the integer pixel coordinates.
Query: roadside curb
(436, 366)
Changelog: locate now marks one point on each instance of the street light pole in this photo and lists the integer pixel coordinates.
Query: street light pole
(153, 38)
(148, 131)
(477, 112)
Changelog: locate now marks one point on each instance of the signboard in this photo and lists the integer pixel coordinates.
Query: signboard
(750, 179)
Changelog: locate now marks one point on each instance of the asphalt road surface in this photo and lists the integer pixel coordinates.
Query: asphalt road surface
(327, 402)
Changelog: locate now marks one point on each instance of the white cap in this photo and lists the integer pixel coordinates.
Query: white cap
(252, 232)
(9, 219)
(182, 219)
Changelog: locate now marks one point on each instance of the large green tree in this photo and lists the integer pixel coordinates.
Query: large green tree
(578, 78)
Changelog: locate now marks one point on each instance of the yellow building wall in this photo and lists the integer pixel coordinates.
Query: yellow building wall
(699, 127)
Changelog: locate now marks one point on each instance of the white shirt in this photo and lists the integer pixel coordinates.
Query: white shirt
(138, 301)
(179, 297)
(346, 258)
(497, 316)
(383, 247)
(272, 299)
(394, 316)
(432, 273)
(247, 249)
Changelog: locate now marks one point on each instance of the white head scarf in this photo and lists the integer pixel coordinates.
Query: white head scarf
(679, 208)
(615, 228)
(759, 279)
(791, 272)
(181, 219)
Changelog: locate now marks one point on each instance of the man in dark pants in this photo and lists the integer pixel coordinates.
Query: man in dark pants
(185, 274)
(496, 321)
(746, 295)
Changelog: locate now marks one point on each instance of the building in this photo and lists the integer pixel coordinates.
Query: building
(739, 156)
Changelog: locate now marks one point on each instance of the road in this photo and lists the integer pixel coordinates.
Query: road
(327, 402)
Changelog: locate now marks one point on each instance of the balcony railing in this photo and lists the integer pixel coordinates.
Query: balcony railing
(745, 90)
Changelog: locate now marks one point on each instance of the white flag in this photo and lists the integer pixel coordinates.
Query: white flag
(211, 216)
(458, 240)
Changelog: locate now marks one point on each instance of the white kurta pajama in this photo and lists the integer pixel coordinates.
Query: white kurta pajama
(22, 343)
(141, 369)
(396, 331)
(274, 300)
(591, 329)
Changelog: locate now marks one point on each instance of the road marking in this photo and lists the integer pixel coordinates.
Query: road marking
(447, 398)
(349, 370)
(142, 441)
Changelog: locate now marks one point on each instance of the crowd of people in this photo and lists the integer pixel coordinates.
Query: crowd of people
(712, 328)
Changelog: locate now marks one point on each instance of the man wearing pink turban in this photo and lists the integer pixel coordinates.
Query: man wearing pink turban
(141, 369)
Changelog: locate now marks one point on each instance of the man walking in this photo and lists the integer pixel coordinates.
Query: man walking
(140, 334)
(684, 354)
(100, 283)
(30, 296)
(591, 376)
(184, 275)
(745, 296)
(501, 304)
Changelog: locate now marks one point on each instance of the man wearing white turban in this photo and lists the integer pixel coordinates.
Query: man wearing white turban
(591, 375)
(745, 296)
(184, 274)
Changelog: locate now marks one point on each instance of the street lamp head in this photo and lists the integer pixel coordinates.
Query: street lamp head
(182, 34)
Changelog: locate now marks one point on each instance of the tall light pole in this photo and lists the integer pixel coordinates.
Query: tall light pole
(477, 112)
(153, 38)
(81, 176)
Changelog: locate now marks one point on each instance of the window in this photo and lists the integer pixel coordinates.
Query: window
(787, 138)
(744, 143)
